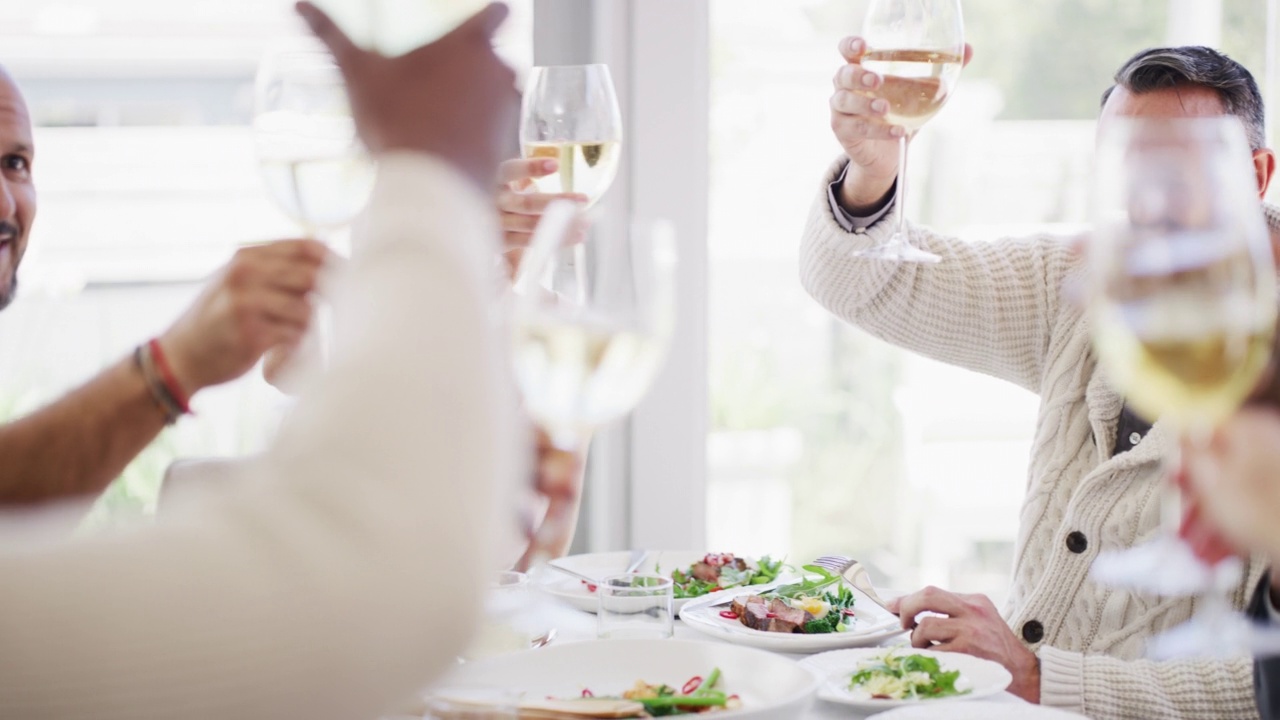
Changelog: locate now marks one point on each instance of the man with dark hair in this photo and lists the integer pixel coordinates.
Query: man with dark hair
(1092, 486)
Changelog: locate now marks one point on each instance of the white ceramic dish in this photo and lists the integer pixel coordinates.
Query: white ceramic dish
(982, 678)
(771, 687)
(600, 565)
(872, 625)
(981, 710)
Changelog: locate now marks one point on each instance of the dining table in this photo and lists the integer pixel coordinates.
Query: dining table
(574, 626)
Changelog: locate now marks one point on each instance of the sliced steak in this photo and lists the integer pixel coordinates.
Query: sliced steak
(755, 613)
(786, 618)
(706, 573)
(739, 606)
(739, 564)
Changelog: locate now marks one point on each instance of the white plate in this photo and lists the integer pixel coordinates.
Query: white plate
(872, 625)
(982, 678)
(982, 710)
(770, 686)
(600, 565)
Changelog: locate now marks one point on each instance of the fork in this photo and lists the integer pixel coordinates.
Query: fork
(853, 572)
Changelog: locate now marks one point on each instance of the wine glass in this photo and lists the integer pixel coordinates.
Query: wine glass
(917, 47)
(570, 114)
(309, 154)
(588, 339)
(1182, 306)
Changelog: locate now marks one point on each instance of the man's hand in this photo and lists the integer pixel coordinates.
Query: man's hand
(558, 479)
(522, 210)
(1236, 475)
(259, 300)
(859, 123)
(972, 626)
(454, 98)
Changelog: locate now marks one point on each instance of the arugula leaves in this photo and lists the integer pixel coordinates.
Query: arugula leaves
(941, 683)
(688, 586)
(807, 587)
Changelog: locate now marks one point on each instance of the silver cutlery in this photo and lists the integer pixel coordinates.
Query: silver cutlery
(637, 559)
(854, 573)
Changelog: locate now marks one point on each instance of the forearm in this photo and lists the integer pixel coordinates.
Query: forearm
(862, 194)
(80, 443)
(350, 559)
(1106, 688)
(989, 307)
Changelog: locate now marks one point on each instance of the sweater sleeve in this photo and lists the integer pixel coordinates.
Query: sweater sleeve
(341, 570)
(1106, 688)
(988, 307)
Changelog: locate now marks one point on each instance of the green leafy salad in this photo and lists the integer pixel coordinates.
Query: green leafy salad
(717, 571)
(905, 677)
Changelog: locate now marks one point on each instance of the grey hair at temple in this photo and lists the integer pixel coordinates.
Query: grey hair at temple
(1160, 68)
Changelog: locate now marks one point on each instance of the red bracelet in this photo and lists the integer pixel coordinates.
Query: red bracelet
(170, 380)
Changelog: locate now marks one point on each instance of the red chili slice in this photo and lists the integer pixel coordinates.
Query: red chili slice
(728, 615)
(849, 612)
(694, 683)
(586, 693)
(771, 615)
(590, 587)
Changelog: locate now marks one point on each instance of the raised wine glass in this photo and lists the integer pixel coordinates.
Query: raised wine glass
(1182, 306)
(589, 339)
(309, 154)
(570, 114)
(917, 47)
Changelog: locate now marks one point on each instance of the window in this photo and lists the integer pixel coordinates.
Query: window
(822, 438)
(147, 183)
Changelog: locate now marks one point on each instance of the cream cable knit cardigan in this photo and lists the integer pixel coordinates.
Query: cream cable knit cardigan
(996, 308)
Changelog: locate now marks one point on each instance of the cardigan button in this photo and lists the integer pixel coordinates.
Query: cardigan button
(1033, 631)
(1077, 542)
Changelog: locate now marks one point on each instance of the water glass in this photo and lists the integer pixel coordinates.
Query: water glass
(635, 606)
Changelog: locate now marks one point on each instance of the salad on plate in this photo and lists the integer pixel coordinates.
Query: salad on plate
(905, 677)
(815, 606)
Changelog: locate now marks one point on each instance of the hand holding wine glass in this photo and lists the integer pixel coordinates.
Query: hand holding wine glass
(859, 121)
(588, 339)
(571, 115)
(911, 58)
(1182, 306)
(453, 99)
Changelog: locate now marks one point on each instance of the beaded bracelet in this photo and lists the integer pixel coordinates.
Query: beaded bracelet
(170, 402)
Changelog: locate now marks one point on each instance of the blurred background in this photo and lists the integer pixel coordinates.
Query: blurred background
(810, 437)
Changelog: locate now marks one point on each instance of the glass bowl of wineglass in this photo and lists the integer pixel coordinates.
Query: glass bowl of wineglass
(1182, 307)
(309, 155)
(570, 114)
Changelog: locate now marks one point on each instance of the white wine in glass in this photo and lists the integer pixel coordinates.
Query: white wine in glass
(917, 47)
(309, 154)
(1182, 306)
(589, 338)
(570, 114)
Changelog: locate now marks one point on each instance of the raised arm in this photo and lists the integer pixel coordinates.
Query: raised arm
(78, 444)
(988, 307)
(344, 569)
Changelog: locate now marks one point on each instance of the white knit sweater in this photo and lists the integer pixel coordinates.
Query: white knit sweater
(996, 308)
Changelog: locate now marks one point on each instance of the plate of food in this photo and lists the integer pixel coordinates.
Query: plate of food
(813, 614)
(879, 679)
(694, 574)
(636, 678)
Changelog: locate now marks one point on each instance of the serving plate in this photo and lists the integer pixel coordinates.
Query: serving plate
(770, 687)
(575, 592)
(872, 625)
(982, 678)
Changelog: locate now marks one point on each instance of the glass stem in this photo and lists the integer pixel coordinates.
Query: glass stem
(900, 196)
